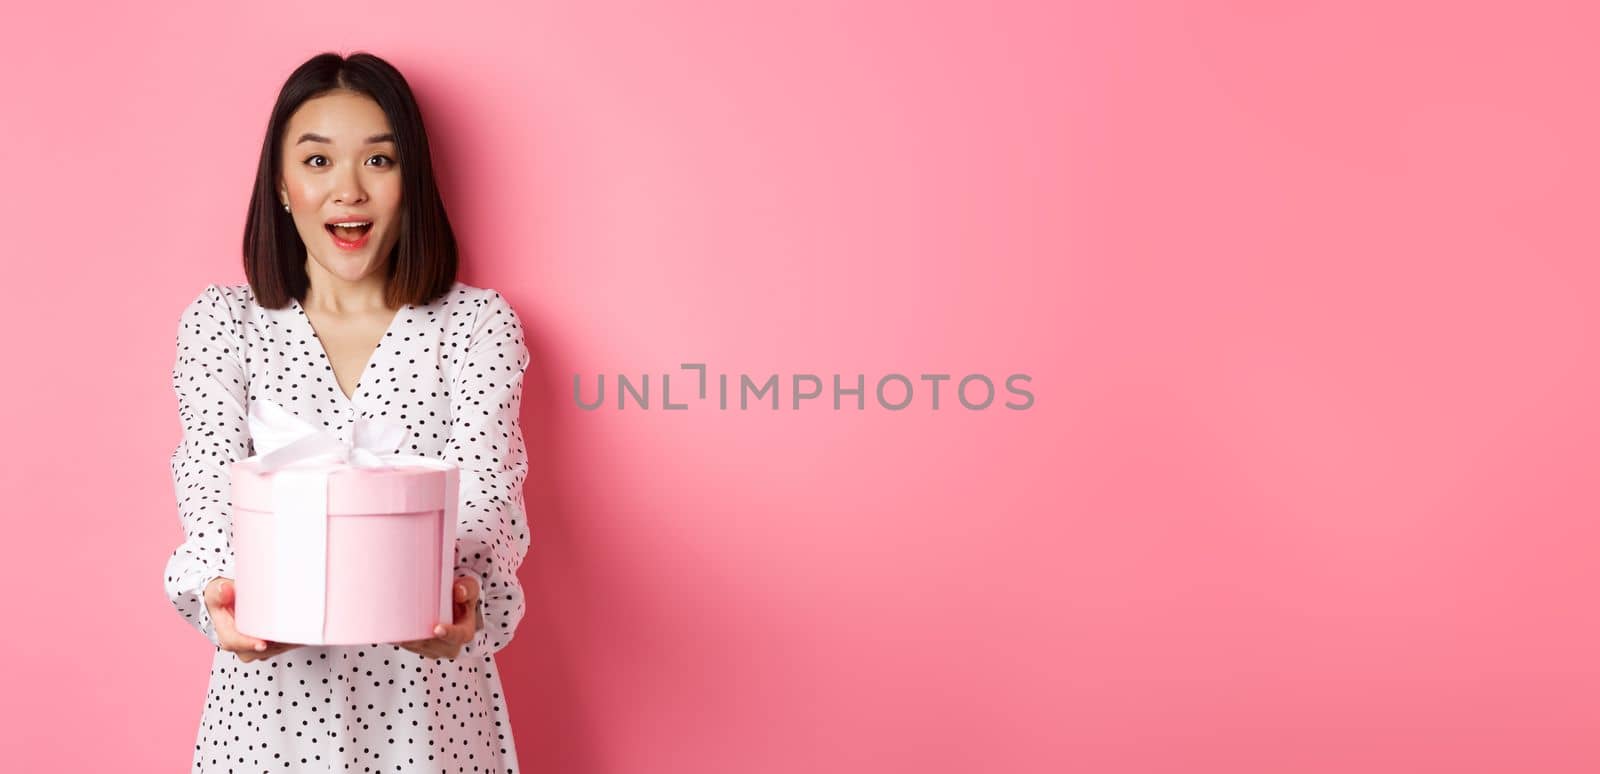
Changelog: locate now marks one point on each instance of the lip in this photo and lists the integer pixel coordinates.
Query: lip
(342, 244)
(347, 219)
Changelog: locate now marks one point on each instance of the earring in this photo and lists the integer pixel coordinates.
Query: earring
(285, 206)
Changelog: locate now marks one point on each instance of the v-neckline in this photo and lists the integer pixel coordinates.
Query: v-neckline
(361, 378)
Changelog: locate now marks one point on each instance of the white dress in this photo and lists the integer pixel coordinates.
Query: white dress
(452, 372)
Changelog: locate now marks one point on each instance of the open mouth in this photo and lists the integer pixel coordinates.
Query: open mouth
(349, 237)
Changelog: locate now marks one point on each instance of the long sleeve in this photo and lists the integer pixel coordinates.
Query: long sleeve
(486, 442)
(209, 380)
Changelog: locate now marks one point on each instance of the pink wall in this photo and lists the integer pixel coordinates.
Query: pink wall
(1306, 292)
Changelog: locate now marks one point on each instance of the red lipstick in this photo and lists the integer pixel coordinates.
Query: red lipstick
(348, 244)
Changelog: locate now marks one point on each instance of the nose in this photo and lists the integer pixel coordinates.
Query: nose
(348, 191)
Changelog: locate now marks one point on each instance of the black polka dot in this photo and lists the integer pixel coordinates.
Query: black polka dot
(451, 371)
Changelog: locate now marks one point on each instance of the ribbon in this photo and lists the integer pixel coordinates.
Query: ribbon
(301, 456)
(282, 439)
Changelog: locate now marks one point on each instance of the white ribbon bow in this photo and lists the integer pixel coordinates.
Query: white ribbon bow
(301, 456)
(283, 439)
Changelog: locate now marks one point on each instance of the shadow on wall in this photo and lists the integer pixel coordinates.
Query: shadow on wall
(544, 695)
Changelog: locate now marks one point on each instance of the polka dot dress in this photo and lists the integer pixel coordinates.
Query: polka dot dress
(451, 371)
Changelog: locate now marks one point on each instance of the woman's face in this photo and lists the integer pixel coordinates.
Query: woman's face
(339, 162)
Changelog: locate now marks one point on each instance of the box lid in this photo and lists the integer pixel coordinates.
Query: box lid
(414, 483)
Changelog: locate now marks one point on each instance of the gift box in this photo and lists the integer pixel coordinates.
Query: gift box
(340, 543)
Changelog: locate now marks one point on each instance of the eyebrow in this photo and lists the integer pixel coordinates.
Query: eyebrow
(314, 137)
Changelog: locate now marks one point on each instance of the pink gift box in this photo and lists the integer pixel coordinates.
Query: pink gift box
(376, 567)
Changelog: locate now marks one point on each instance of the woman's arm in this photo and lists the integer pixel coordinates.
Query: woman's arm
(209, 379)
(486, 442)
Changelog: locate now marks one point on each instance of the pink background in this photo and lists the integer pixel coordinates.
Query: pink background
(1306, 291)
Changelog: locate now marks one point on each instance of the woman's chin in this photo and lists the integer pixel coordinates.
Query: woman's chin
(349, 268)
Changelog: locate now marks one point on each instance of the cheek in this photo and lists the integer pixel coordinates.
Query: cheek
(302, 194)
(387, 196)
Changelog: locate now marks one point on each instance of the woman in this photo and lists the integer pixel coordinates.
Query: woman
(340, 321)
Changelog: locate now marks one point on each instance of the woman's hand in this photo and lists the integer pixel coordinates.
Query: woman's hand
(447, 640)
(219, 601)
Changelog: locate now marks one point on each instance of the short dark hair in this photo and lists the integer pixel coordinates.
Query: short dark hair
(423, 265)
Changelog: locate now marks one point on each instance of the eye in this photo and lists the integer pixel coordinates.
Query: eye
(318, 156)
(386, 158)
